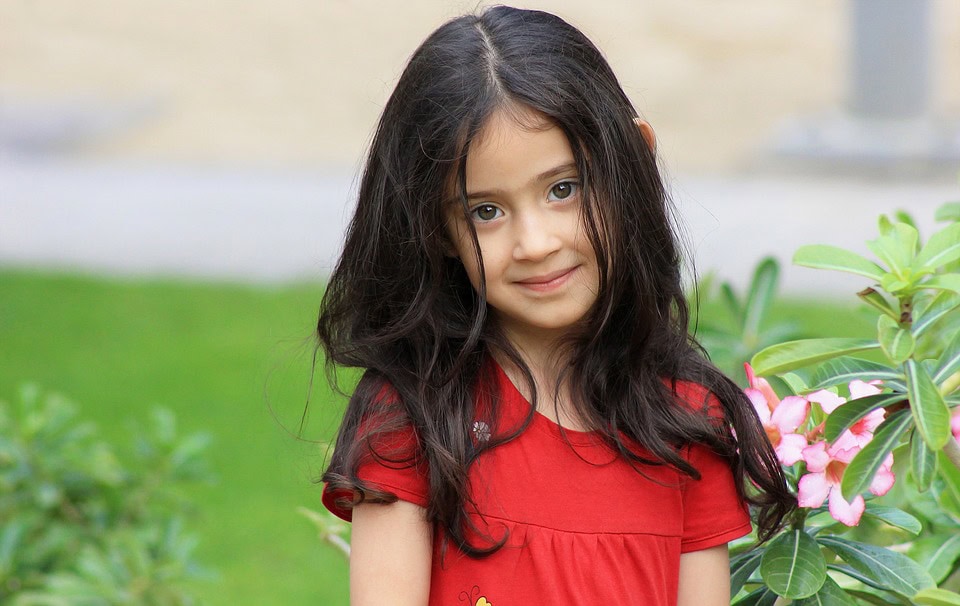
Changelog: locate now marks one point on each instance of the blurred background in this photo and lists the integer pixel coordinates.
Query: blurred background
(175, 178)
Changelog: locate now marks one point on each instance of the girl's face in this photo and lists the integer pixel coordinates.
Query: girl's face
(524, 200)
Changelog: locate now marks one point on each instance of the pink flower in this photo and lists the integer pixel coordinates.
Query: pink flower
(825, 467)
(861, 432)
(955, 424)
(780, 419)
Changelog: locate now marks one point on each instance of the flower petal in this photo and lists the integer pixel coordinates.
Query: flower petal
(847, 440)
(883, 481)
(827, 400)
(790, 414)
(759, 404)
(844, 455)
(955, 425)
(844, 512)
(790, 449)
(772, 398)
(812, 490)
(816, 457)
(872, 420)
(860, 389)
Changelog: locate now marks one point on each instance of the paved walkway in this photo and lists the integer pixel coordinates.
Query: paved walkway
(272, 226)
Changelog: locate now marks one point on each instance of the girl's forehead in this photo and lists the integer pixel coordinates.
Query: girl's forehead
(510, 154)
(507, 120)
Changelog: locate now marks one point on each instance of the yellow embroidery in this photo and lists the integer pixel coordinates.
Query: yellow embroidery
(483, 602)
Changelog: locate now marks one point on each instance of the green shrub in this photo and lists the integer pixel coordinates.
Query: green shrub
(84, 524)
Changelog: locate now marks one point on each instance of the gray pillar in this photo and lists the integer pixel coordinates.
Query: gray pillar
(890, 58)
(885, 124)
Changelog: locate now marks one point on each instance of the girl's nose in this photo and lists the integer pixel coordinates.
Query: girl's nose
(536, 237)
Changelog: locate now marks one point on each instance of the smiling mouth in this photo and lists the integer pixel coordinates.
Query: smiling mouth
(548, 281)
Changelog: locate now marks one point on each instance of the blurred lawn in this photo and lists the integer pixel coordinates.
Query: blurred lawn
(221, 356)
(233, 361)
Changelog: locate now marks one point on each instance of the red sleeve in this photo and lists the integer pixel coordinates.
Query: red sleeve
(713, 513)
(391, 462)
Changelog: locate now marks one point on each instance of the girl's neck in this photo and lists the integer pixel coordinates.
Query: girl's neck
(546, 359)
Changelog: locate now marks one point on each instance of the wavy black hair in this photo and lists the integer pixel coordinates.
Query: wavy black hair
(400, 307)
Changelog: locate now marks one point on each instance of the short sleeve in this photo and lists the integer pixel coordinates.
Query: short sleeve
(390, 461)
(713, 513)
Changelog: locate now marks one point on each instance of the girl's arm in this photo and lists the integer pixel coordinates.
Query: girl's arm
(705, 577)
(391, 550)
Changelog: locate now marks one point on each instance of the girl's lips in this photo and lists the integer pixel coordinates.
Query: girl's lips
(547, 281)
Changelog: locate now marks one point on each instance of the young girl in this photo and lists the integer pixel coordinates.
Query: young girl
(534, 425)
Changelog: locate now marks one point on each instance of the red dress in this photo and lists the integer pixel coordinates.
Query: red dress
(583, 526)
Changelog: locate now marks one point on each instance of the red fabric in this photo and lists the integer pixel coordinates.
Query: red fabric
(583, 526)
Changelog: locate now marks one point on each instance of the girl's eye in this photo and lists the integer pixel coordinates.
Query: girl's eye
(563, 190)
(486, 212)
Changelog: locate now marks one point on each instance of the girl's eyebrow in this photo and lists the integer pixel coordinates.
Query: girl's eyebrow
(545, 175)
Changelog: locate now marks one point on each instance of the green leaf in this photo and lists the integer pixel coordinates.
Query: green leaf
(929, 410)
(733, 304)
(823, 256)
(949, 360)
(894, 517)
(942, 304)
(937, 554)
(923, 462)
(885, 225)
(950, 475)
(889, 569)
(855, 575)
(741, 567)
(894, 284)
(903, 216)
(830, 594)
(943, 247)
(948, 212)
(876, 300)
(843, 370)
(794, 382)
(760, 296)
(859, 473)
(896, 247)
(937, 597)
(896, 342)
(946, 498)
(793, 566)
(791, 355)
(949, 282)
(872, 598)
(758, 597)
(845, 416)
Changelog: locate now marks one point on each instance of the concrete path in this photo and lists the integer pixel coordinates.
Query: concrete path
(272, 226)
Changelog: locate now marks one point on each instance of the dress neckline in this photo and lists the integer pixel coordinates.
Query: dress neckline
(541, 421)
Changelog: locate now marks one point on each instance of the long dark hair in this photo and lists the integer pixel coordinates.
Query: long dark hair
(402, 308)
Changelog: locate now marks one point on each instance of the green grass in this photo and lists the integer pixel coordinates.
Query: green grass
(223, 357)
(233, 361)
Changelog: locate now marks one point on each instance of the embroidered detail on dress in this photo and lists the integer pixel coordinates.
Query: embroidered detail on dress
(469, 597)
(481, 431)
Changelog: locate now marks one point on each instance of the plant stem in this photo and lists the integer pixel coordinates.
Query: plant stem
(952, 450)
(799, 518)
(906, 312)
(781, 601)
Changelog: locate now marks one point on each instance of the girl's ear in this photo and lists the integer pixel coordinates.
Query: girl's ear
(647, 131)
